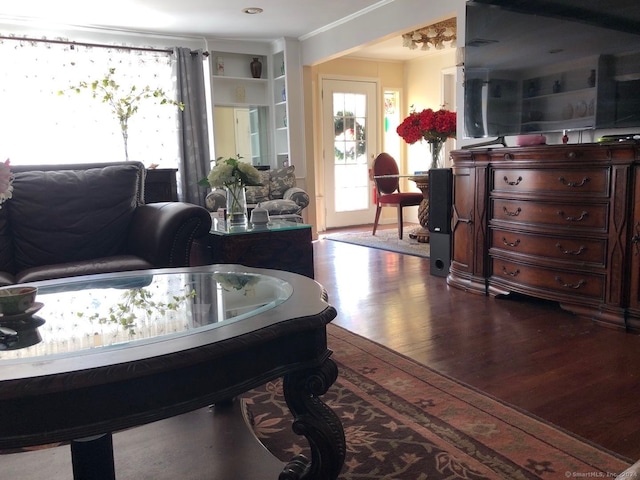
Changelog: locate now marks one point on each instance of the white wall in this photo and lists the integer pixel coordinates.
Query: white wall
(384, 22)
(390, 20)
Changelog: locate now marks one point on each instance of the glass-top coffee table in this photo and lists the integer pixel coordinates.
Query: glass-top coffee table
(107, 352)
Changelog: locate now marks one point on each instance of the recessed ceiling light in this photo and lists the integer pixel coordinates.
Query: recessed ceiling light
(252, 10)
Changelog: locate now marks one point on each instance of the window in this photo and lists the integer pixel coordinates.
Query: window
(38, 125)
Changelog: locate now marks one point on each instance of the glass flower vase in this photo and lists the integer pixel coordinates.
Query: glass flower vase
(236, 204)
(436, 147)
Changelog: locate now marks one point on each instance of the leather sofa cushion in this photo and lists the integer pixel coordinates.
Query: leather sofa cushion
(62, 216)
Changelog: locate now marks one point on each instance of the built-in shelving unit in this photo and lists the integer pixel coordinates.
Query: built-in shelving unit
(233, 84)
(272, 104)
(281, 120)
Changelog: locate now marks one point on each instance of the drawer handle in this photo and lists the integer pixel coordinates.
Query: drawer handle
(512, 214)
(584, 181)
(582, 216)
(575, 286)
(511, 244)
(572, 155)
(580, 251)
(506, 180)
(511, 274)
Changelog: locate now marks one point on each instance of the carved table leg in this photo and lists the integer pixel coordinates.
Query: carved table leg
(421, 234)
(92, 458)
(317, 422)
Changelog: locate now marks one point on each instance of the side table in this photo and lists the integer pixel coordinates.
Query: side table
(161, 185)
(421, 234)
(280, 245)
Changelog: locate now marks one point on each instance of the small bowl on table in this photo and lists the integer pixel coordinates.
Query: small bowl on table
(17, 300)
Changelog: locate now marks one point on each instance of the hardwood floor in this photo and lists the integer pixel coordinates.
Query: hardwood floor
(529, 353)
(575, 374)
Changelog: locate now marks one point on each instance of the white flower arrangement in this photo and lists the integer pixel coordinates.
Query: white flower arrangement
(230, 172)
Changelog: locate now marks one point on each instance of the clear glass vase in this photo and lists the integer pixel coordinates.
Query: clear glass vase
(436, 147)
(236, 205)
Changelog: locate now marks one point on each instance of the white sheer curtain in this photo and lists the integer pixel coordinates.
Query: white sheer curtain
(37, 125)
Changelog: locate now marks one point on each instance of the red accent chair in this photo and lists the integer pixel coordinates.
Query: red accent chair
(388, 190)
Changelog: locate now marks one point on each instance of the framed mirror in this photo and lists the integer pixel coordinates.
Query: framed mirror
(242, 131)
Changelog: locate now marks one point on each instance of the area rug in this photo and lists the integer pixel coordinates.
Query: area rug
(404, 421)
(386, 239)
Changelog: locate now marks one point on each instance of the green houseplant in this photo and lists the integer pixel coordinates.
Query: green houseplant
(124, 103)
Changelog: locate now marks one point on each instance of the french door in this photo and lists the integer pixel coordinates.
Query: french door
(349, 142)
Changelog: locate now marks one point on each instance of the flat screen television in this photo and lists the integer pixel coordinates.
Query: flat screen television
(551, 66)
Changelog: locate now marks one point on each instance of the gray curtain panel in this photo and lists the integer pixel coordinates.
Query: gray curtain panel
(195, 162)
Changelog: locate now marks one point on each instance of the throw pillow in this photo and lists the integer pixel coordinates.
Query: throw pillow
(281, 180)
(280, 207)
(261, 193)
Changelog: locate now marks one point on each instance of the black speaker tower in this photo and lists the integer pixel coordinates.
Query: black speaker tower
(440, 185)
(440, 200)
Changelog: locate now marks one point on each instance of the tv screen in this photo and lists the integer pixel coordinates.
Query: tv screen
(550, 66)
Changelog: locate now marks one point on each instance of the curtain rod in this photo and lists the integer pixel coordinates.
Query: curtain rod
(98, 45)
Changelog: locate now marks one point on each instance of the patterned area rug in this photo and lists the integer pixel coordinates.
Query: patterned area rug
(386, 239)
(404, 421)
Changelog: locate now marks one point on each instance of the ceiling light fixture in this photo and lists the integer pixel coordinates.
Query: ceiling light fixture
(432, 36)
(252, 10)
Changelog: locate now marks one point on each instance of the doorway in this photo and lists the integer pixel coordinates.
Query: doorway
(349, 141)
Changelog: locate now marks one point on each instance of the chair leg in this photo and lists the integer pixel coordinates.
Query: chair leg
(375, 222)
(400, 223)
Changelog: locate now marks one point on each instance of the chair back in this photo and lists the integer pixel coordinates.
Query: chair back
(385, 164)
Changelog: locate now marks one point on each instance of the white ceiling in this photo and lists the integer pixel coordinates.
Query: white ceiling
(211, 19)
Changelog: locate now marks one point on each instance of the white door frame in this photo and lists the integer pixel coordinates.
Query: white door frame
(360, 216)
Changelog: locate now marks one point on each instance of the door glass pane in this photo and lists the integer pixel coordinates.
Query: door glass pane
(350, 155)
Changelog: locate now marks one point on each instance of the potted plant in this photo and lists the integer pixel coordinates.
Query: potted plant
(124, 103)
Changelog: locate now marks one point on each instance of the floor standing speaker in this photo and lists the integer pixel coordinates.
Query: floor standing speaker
(440, 199)
(440, 254)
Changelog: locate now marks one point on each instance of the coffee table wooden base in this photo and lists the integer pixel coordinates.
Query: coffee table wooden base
(93, 458)
(317, 422)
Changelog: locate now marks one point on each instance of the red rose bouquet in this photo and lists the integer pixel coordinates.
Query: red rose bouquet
(433, 126)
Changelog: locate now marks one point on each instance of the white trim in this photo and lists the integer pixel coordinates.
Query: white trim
(346, 19)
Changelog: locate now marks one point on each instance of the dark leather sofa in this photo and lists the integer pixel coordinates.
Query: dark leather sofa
(69, 220)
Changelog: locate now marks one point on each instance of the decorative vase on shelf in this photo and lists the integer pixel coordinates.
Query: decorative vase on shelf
(236, 205)
(256, 67)
(435, 146)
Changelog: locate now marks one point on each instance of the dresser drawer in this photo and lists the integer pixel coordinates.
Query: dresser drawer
(584, 216)
(552, 181)
(588, 285)
(576, 250)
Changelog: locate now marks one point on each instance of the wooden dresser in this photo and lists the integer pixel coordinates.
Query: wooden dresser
(559, 222)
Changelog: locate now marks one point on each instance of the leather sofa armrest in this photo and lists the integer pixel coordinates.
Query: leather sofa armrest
(163, 233)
